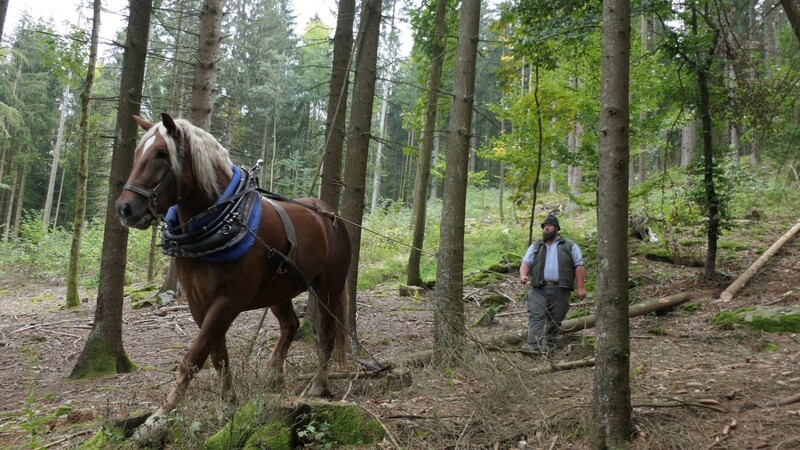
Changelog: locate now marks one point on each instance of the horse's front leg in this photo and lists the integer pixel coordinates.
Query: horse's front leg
(288, 323)
(212, 328)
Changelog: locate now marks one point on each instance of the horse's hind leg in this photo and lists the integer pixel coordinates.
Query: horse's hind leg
(331, 328)
(287, 320)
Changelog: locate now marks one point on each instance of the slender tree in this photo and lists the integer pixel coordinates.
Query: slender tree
(3, 11)
(104, 343)
(420, 204)
(206, 63)
(612, 394)
(355, 173)
(337, 103)
(48, 202)
(73, 300)
(448, 312)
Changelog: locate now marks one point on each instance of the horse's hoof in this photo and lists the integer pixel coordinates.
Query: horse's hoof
(275, 384)
(320, 391)
(152, 431)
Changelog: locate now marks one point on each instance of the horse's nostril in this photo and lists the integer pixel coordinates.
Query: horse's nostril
(124, 210)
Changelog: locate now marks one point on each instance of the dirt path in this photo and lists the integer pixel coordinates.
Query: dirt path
(693, 385)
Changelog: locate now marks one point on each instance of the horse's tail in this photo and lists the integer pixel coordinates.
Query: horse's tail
(331, 314)
(342, 335)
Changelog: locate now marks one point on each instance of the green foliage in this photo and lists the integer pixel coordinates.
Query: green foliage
(45, 256)
(316, 435)
(384, 251)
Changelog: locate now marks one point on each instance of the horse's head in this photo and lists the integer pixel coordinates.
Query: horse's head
(155, 180)
(175, 163)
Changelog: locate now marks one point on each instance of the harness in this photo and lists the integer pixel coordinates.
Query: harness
(226, 230)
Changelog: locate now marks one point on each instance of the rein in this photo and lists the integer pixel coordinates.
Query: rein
(152, 194)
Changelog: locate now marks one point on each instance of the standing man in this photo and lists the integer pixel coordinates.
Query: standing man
(554, 267)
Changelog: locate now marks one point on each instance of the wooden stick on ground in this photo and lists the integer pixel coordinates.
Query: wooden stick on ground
(730, 291)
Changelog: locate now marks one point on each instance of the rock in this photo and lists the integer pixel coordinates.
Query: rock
(410, 291)
(765, 318)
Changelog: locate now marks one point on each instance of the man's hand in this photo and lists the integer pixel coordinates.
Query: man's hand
(581, 293)
(524, 279)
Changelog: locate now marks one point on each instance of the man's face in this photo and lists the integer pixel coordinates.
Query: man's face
(549, 231)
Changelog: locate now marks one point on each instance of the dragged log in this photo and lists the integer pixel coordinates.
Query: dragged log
(582, 323)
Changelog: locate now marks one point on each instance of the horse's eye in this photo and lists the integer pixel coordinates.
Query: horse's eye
(162, 153)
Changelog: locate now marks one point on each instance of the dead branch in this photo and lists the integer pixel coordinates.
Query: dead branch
(566, 365)
(48, 324)
(730, 291)
(789, 400)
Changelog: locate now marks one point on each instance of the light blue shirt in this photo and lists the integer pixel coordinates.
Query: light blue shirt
(551, 259)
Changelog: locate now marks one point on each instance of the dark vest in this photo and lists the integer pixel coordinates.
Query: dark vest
(566, 267)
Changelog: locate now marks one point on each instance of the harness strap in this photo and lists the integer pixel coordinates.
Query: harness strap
(288, 228)
(279, 259)
(297, 275)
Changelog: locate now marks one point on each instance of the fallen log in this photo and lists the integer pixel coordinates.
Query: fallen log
(566, 365)
(730, 291)
(582, 323)
(567, 326)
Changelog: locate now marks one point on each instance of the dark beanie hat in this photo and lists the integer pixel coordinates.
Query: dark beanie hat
(551, 219)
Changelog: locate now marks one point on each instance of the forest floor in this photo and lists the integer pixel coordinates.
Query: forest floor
(693, 384)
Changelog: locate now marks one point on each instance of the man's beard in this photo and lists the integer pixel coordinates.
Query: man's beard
(547, 236)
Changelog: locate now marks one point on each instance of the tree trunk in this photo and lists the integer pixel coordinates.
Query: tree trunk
(730, 291)
(51, 184)
(23, 182)
(539, 151)
(10, 208)
(612, 425)
(448, 312)
(104, 343)
(355, 173)
(82, 175)
(206, 63)
(337, 103)
(711, 197)
(376, 179)
(175, 77)
(422, 178)
(3, 11)
(688, 139)
(793, 14)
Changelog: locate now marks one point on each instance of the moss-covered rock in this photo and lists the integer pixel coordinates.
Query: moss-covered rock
(481, 279)
(340, 426)
(275, 435)
(143, 296)
(770, 319)
(247, 419)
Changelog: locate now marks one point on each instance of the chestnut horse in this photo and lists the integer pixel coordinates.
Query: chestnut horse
(179, 164)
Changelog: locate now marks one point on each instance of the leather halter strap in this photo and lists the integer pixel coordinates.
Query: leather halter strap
(152, 194)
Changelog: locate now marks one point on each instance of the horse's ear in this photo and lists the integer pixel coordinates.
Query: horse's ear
(172, 128)
(143, 123)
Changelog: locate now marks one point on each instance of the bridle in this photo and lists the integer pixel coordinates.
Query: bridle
(152, 194)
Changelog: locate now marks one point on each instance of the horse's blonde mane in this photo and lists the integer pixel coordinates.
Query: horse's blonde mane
(208, 155)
